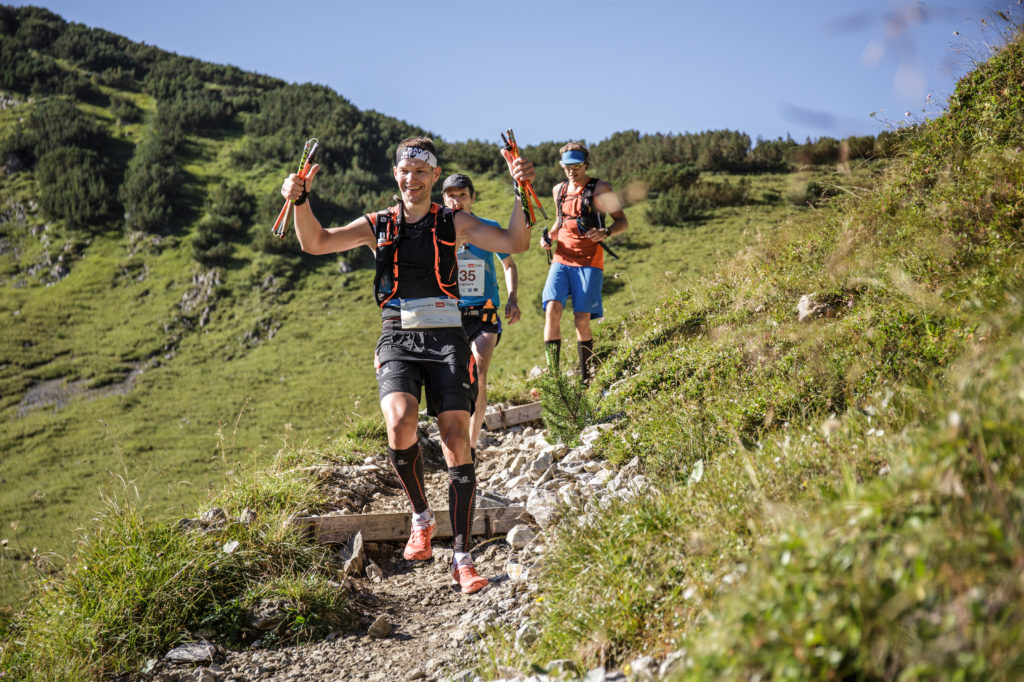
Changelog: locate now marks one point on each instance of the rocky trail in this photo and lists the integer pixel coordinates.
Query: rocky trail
(412, 623)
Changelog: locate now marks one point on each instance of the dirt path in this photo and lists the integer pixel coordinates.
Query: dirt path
(433, 626)
(412, 622)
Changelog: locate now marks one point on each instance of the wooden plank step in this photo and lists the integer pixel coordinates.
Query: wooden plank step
(498, 417)
(395, 526)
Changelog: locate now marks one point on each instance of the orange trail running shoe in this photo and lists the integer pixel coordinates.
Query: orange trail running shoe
(418, 547)
(468, 579)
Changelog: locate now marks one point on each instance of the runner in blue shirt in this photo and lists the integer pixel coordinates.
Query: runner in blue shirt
(479, 299)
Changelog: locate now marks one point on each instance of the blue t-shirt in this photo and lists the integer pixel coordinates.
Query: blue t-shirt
(470, 257)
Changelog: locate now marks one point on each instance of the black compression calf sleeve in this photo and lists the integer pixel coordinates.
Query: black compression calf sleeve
(461, 490)
(409, 466)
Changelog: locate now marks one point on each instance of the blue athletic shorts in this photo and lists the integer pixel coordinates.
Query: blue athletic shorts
(582, 283)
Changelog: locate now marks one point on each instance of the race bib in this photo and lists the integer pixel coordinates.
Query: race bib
(430, 313)
(471, 274)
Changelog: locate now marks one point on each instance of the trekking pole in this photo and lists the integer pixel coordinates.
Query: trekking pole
(524, 190)
(517, 187)
(309, 152)
(531, 194)
(603, 245)
(610, 252)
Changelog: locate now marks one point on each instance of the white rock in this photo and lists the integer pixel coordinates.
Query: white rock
(642, 669)
(520, 536)
(541, 464)
(593, 432)
(517, 481)
(515, 570)
(542, 505)
(520, 493)
(548, 475)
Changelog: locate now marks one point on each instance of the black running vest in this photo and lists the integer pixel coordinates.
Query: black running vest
(418, 260)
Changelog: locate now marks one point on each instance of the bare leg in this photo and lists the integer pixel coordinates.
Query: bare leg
(401, 414)
(483, 349)
(553, 321)
(454, 427)
(582, 322)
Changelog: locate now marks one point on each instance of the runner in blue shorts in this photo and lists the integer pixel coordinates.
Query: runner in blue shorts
(479, 299)
(581, 203)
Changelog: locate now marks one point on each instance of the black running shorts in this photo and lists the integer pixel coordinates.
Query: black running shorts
(474, 328)
(438, 360)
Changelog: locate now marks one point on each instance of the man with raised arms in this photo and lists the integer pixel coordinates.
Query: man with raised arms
(422, 343)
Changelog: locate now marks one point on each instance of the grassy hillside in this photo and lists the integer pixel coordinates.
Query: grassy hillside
(175, 350)
(838, 498)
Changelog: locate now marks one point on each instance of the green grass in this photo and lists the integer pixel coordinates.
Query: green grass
(834, 499)
(136, 586)
(211, 400)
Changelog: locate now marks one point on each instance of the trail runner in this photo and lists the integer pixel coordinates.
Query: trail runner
(422, 342)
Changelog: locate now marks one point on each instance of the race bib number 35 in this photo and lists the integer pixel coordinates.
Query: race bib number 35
(471, 275)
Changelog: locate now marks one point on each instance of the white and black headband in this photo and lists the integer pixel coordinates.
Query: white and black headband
(417, 153)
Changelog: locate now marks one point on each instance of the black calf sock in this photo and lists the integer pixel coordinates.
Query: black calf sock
(409, 466)
(461, 490)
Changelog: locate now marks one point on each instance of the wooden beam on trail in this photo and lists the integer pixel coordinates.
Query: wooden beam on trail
(395, 526)
(498, 417)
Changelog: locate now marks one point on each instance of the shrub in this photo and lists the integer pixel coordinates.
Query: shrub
(72, 186)
(677, 206)
(123, 108)
(150, 186)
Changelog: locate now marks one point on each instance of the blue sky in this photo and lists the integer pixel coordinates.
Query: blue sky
(584, 70)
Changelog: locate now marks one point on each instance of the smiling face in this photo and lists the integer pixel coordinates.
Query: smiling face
(415, 179)
(459, 198)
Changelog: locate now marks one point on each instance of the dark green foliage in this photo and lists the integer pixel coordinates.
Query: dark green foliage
(679, 196)
(474, 156)
(772, 155)
(53, 123)
(124, 109)
(151, 183)
(567, 409)
(93, 49)
(677, 206)
(36, 28)
(31, 73)
(821, 151)
(72, 186)
(667, 176)
(228, 212)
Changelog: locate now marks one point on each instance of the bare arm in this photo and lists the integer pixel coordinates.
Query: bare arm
(512, 311)
(516, 238)
(314, 238)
